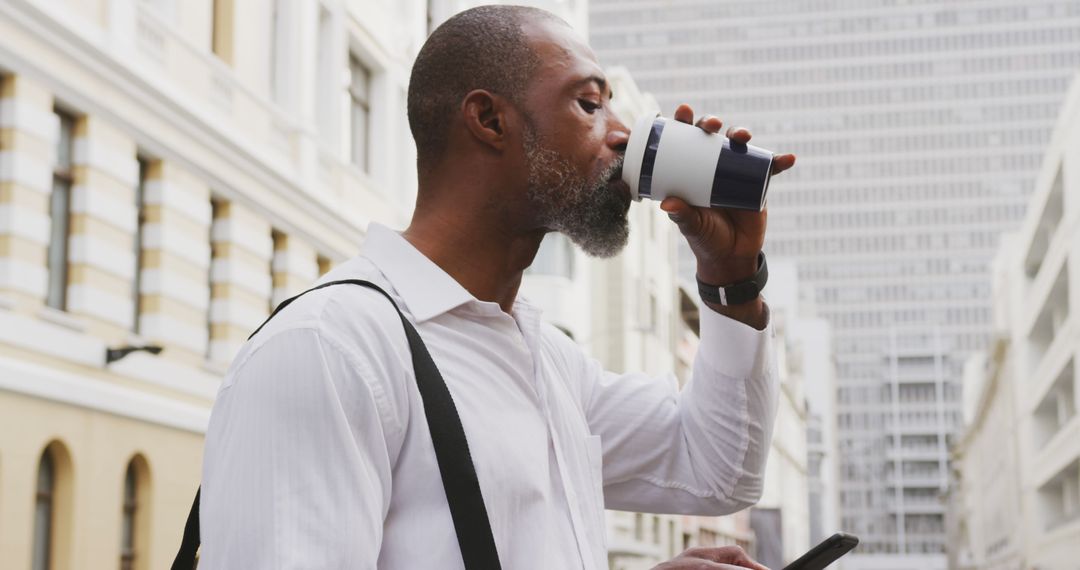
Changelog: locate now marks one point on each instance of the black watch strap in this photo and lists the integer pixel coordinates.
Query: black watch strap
(737, 293)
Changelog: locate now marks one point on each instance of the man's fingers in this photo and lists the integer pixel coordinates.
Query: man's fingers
(710, 124)
(694, 564)
(782, 162)
(739, 134)
(732, 555)
(684, 114)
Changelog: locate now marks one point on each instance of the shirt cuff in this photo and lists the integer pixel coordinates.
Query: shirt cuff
(733, 348)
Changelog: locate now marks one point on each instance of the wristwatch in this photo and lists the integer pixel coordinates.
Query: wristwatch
(737, 293)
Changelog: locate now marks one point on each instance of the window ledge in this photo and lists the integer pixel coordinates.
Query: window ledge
(62, 318)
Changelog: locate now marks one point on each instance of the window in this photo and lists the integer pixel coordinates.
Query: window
(140, 213)
(324, 264)
(60, 214)
(221, 33)
(280, 50)
(219, 211)
(359, 110)
(127, 535)
(326, 75)
(279, 277)
(651, 318)
(43, 512)
(134, 530)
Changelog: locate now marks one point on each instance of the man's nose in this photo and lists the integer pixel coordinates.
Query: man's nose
(618, 137)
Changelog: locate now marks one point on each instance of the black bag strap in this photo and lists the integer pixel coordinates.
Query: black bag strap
(451, 451)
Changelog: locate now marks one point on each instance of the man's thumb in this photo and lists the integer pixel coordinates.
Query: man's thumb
(682, 214)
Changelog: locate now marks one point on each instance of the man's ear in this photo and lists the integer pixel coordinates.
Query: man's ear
(487, 117)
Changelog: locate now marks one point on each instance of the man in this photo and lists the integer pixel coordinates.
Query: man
(318, 453)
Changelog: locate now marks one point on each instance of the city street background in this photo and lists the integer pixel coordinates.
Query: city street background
(170, 170)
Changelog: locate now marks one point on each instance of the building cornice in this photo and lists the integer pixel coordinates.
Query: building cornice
(169, 108)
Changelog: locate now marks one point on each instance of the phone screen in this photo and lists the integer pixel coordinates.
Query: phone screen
(825, 553)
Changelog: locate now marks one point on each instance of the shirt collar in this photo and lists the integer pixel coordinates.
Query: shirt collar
(427, 290)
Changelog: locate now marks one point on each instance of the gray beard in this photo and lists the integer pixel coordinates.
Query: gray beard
(589, 212)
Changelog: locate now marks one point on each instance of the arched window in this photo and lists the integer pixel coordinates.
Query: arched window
(134, 533)
(43, 511)
(52, 509)
(127, 540)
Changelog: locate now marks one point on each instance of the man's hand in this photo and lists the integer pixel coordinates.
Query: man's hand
(724, 557)
(725, 241)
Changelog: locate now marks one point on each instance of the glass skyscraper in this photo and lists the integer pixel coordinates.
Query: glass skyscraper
(920, 127)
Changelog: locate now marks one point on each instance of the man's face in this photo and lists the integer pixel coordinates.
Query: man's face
(573, 145)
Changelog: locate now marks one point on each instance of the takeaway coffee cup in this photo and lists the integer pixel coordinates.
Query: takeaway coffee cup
(667, 158)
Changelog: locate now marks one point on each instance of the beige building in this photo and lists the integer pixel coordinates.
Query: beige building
(1018, 502)
(169, 169)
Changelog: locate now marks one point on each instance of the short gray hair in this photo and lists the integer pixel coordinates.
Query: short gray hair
(480, 48)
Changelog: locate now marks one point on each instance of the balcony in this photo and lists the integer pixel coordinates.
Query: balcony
(935, 508)
(915, 423)
(924, 453)
(1058, 500)
(1046, 227)
(1056, 408)
(921, 375)
(916, 504)
(917, 481)
(1050, 323)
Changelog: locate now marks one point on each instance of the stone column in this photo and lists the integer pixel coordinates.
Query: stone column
(28, 133)
(175, 280)
(294, 267)
(101, 255)
(239, 277)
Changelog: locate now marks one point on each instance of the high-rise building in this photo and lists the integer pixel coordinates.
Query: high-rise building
(919, 126)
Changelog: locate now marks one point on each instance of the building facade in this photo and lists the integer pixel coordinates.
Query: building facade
(1018, 502)
(919, 127)
(169, 171)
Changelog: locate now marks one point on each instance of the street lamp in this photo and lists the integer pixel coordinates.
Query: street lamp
(114, 354)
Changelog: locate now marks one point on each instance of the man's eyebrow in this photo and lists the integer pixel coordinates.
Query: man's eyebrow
(599, 81)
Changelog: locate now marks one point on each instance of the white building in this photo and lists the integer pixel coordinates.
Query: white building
(919, 128)
(169, 170)
(1019, 459)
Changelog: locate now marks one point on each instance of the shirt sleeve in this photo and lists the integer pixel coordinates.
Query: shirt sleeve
(698, 451)
(297, 466)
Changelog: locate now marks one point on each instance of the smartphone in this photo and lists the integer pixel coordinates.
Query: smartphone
(825, 553)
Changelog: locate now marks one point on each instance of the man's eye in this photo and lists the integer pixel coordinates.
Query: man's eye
(589, 106)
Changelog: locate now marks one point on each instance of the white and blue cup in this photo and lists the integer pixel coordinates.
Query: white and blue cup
(665, 157)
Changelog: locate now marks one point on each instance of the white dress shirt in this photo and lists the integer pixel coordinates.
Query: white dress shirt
(318, 453)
